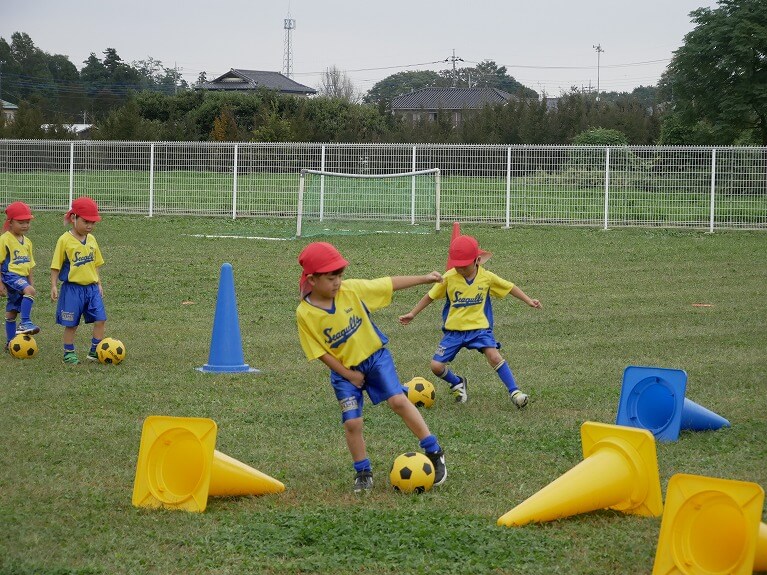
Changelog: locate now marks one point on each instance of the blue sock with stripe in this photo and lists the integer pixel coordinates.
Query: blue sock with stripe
(363, 465)
(449, 377)
(504, 372)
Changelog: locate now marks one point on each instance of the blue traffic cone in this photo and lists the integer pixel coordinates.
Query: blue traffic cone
(653, 398)
(226, 343)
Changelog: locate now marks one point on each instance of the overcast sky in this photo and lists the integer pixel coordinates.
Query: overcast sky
(547, 45)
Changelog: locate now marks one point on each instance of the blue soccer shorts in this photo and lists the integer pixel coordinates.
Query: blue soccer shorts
(15, 286)
(78, 301)
(453, 341)
(381, 383)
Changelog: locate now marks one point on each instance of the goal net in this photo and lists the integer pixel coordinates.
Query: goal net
(331, 203)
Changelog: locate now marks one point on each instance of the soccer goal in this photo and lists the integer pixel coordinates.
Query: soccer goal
(335, 203)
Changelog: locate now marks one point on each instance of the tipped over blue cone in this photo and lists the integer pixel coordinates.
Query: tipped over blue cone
(653, 398)
(226, 342)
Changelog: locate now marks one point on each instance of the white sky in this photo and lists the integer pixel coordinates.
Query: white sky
(548, 45)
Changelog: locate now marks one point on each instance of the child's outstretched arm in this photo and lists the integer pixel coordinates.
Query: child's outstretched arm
(419, 307)
(403, 282)
(519, 294)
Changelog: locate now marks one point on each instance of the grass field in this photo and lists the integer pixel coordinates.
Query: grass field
(611, 299)
(576, 198)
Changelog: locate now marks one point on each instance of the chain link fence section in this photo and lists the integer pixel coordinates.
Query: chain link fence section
(647, 186)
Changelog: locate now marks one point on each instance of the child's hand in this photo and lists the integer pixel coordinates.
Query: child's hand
(434, 277)
(3, 291)
(536, 304)
(357, 378)
(407, 318)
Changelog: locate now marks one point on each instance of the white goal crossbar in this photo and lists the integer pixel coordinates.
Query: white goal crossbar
(413, 175)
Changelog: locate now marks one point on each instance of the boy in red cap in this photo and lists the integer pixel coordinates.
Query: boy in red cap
(468, 316)
(334, 326)
(76, 262)
(16, 270)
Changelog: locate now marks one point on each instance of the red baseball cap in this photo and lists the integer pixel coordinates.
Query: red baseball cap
(319, 258)
(85, 208)
(17, 211)
(464, 250)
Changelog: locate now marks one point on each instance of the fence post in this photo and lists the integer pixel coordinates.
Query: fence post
(508, 186)
(607, 185)
(713, 190)
(71, 173)
(151, 179)
(234, 185)
(322, 184)
(412, 190)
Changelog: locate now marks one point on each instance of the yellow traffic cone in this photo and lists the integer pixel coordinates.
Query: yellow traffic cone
(178, 466)
(711, 526)
(619, 471)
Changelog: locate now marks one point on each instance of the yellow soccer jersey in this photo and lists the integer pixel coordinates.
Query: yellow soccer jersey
(467, 304)
(346, 331)
(77, 261)
(16, 256)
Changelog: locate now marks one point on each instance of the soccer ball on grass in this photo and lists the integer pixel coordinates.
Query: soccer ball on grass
(421, 392)
(110, 351)
(412, 473)
(23, 346)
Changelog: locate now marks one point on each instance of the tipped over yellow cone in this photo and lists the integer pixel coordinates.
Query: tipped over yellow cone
(619, 471)
(178, 466)
(711, 526)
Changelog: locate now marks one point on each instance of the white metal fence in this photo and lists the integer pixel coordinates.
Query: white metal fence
(694, 187)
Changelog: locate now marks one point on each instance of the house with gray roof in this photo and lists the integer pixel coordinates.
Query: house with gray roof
(423, 104)
(236, 80)
(8, 110)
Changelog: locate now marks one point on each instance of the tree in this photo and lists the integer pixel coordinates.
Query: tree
(720, 73)
(336, 84)
(383, 92)
(225, 127)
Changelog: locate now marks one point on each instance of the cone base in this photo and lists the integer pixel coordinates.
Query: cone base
(245, 368)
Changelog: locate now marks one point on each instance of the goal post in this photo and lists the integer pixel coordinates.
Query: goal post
(342, 203)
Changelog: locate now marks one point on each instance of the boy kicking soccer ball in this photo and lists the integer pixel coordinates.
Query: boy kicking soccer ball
(334, 326)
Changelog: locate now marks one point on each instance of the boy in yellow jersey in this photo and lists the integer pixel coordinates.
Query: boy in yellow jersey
(16, 263)
(76, 262)
(334, 326)
(468, 316)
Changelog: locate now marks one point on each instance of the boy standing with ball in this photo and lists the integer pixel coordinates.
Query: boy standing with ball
(16, 263)
(334, 326)
(76, 262)
(468, 316)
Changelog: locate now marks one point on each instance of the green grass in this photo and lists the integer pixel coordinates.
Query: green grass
(611, 299)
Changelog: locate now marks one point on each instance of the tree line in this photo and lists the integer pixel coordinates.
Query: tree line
(714, 92)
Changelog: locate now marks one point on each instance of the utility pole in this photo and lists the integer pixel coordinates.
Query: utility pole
(599, 50)
(453, 59)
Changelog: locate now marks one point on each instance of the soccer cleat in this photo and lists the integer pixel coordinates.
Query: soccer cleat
(460, 391)
(70, 357)
(519, 399)
(363, 482)
(440, 471)
(27, 328)
(92, 356)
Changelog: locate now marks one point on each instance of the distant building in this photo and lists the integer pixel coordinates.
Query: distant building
(9, 110)
(236, 80)
(424, 104)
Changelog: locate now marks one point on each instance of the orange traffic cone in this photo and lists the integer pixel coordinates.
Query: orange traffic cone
(456, 232)
(619, 471)
(178, 466)
(711, 526)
